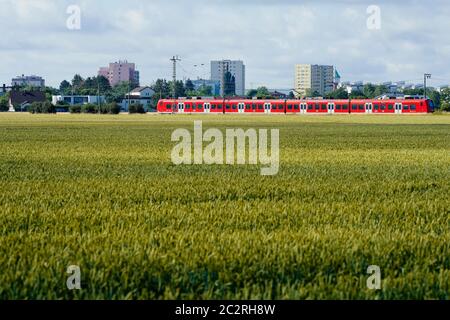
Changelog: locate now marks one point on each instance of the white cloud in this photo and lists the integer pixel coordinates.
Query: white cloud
(270, 36)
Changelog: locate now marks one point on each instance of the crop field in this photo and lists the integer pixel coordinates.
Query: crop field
(101, 192)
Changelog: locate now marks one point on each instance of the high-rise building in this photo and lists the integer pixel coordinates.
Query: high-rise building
(313, 78)
(120, 71)
(31, 81)
(237, 70)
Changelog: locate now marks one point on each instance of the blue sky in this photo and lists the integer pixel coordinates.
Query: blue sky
(270, 36)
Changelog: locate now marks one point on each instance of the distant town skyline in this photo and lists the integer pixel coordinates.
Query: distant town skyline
(270, 37)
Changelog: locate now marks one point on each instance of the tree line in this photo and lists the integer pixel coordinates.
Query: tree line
(99, 85)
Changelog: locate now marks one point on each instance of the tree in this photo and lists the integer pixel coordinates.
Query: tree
(230, 84)
(380, 90)
(356, 94)
(252, 93)
(189, 86)
(339, 93)
(77, 83)
(103, 84)
(263, 93)
(204, 90)
(118, 92)
(162, 91)
(180, 90)
(368, 90)
(291, 95)
(4, 103)
(310, 93)
(64, 87)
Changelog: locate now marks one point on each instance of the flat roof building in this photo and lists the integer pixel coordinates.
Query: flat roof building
(314, 78)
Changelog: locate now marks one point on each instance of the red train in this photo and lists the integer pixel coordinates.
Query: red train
(308, 106)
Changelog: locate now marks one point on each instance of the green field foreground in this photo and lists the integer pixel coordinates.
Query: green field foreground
(101, 192)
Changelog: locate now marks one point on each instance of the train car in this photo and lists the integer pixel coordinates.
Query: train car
(321, 106)
(391, 106)
(308, 106)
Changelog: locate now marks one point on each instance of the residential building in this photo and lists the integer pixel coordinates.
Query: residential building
(28, 81)
(314, 78)
(78, 99)
(19, 101)
(236, 68)
(140, 95)
(120, 71)
(352, 86)
(213, 84)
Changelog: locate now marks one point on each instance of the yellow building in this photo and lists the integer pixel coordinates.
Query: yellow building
(313, 78)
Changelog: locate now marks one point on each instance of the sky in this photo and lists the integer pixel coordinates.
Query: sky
(410, 37)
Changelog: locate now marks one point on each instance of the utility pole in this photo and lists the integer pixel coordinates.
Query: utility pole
(98, 95)
(174, 60)
(425, 77)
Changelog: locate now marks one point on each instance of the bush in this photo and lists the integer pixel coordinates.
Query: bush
(75, 108)
(136, 108)
(41, 107)
(4, 106)
(445, 106)
(89, 108)
(114, 108)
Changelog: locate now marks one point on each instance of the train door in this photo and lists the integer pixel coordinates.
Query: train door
(369, 107)
(267, 108)
(303, 108)
(207, 107)
(398, 108)
(331, 107)
(181, 108)
(241, 107)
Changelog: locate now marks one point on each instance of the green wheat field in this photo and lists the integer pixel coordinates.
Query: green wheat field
(102, 193)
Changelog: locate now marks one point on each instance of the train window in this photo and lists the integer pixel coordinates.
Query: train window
(296, 107)
(413, 107)
(260, 107)
(390, 107)
(338, 107)
(405, 107)
(383, 107)
(213, 107)
(290, 107)
(316, 107)
(324, 107)
(345, 107)
(254, 106)
(234, 107)
(376, 106)
(310, 107)
(354, 107)
(219, 106)
(248, 107)
(228, 107)
(199, 106)
(361, 107)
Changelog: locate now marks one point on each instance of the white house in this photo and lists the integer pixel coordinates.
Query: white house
(140, 95)
(71, 100)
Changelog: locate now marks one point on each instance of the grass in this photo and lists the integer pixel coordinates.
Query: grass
(101, 192)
